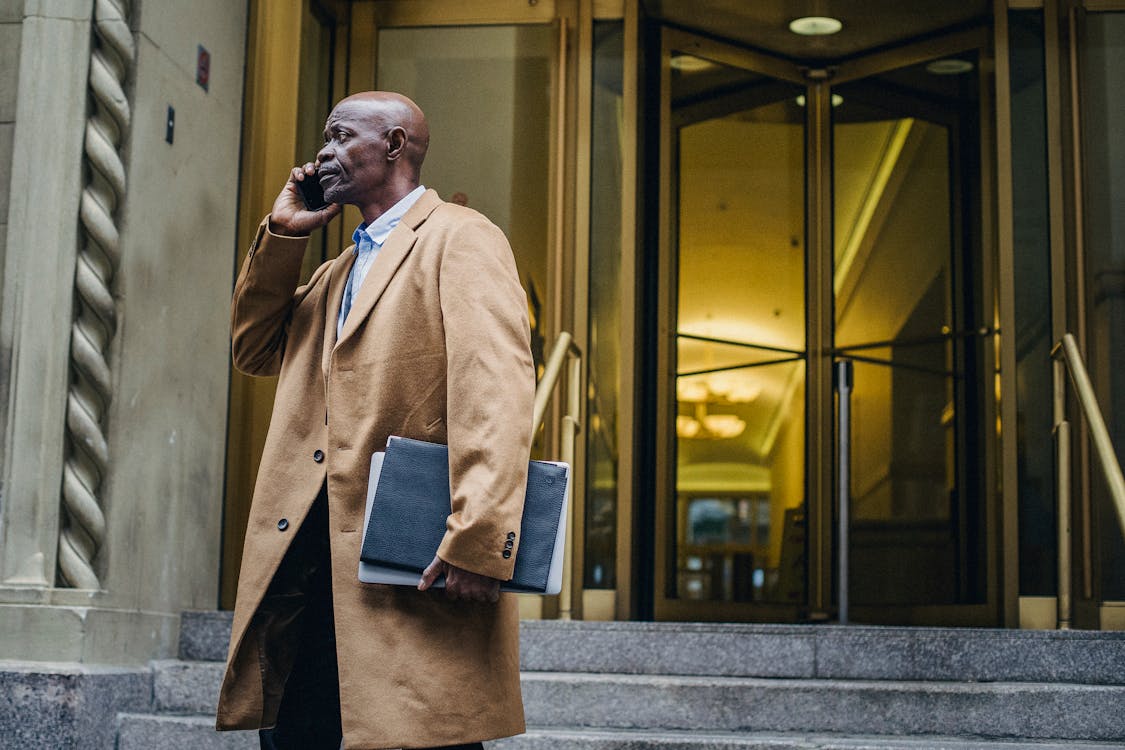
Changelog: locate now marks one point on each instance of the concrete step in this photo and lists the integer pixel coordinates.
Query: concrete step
(186, 687)
(586, 739)
(737, 704)
(204, 635)
(787, 651)
(157, 732)
(874, 707)
(824, 651)
(166, 732)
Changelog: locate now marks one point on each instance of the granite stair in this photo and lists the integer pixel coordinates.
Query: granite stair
(689, 686)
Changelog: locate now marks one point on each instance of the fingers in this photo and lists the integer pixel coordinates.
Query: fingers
(431, 573)
(465, 585)
(460, 584)
(298, 174)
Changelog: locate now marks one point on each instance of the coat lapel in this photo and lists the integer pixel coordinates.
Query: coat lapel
(336, 283)
(386, 264)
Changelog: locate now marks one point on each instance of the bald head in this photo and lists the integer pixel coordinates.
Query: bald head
(392, 110)
(374, 146)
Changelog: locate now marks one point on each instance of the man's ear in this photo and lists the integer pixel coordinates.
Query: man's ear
(396, 143)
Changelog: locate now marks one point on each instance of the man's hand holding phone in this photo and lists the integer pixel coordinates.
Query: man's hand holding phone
(291, 215)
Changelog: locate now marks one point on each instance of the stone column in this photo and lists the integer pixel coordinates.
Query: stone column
(160, 488)
(38, 286)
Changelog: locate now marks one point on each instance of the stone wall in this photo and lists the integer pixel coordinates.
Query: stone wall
(165, 419)
(11, 16)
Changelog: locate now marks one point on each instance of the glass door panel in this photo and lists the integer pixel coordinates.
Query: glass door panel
(738, 145)
(906, 271)
(754, 167)
(495, 158)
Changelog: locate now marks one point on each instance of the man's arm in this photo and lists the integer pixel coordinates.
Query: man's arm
(491, 388)
(266, 289)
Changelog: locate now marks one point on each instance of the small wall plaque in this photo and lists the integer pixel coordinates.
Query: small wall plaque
(203, 67)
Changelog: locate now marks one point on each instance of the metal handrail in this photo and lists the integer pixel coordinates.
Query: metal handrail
(1065, 352)
(564, 348)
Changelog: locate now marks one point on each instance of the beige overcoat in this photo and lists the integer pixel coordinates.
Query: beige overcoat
(436, 347)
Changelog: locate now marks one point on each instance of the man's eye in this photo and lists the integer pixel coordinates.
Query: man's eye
(341, 137)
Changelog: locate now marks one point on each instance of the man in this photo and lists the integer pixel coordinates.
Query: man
(419, 330)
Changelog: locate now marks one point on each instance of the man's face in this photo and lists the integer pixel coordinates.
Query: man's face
(353, 161)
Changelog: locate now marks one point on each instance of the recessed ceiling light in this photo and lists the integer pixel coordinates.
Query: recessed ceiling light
(690, 63)
(837, 100)
(815, 26)
(949, 67)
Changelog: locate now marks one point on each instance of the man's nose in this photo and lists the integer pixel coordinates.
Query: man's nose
(325, 154)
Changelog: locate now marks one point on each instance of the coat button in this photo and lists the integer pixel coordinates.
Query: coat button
(511, 535)
(507, 554)
(283, 524)
(318, 455)
(508, 544)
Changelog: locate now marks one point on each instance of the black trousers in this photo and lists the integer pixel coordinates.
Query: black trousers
(309, 717)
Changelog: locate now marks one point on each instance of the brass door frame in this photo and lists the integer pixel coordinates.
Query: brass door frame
(269, 149)
(820, 429)
(270, 118)
(568, 235)
(1064, 22)
(665, 607)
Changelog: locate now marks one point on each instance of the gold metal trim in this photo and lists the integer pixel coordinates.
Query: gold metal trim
(578, 143)
(566, 351)
(459, 13)
(911, 54)
(609, 10)
(819, 287)
(709, 49)
(271, 68)
(1103, 6)
(1062, 494)
(626, 464)
(665, 345)
(1067, 351)
(1003, 240)
(1077, 272)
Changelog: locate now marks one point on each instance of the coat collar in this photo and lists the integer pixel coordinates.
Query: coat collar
(398, 245)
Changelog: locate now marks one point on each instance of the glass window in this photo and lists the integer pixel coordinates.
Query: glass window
(907, 310)
(739, 161)
(486, 92)
(604, 350)
(1103, 112)
(1037, 545)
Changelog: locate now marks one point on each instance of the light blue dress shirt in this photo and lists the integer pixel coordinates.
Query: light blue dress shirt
(368, 242)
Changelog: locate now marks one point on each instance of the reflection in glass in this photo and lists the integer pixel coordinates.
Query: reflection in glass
(740, 436)
(604, 349)
(905, 146)
(1032, 296)
(1104, 164)
(450, 72)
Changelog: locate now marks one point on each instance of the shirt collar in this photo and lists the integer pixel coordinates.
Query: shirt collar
(380, 229)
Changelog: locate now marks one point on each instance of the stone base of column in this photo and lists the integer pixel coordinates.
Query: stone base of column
(85, 635)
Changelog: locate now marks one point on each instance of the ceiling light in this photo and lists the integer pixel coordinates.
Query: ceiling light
(949, 67)
(720, 387)
(837, 100)
(815, 26)
(686, 427)
(724, 425)
(690, 63)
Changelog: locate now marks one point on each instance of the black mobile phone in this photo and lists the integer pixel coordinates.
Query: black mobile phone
(310, 191)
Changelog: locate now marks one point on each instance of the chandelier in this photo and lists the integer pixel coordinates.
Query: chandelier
(709, 426)
(713, 388)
